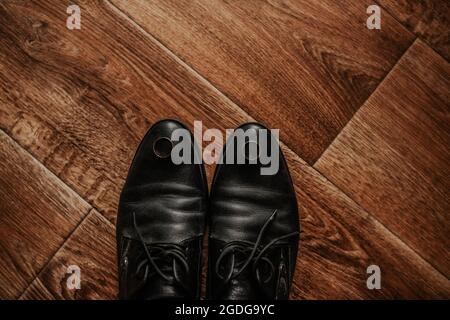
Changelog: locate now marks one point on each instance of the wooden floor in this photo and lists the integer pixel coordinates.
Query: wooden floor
(364, 118)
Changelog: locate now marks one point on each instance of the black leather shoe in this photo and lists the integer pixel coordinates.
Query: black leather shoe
(161, 220)
(254, 227)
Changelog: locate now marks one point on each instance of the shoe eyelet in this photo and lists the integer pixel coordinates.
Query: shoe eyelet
(251, 151)
(162, 147)
(125, 261)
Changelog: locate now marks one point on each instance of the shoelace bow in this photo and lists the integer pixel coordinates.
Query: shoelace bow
(160, 251)
(256, 254)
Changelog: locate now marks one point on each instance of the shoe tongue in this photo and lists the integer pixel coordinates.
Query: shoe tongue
(159, 288)
(243, 287)
(246, 287)
(155, 286)
(240, 289)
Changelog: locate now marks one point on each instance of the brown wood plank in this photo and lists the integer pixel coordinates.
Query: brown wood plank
(92, 247)
(66, 159)
(37, 212)
(393, 158)
(339, 240)
(305, 66)
(60, 86)
(83, 112)
(429, 19)
(37, 291)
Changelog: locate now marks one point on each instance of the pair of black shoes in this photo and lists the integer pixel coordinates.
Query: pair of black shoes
(164, 209)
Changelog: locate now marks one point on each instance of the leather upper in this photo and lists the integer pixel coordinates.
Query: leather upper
(242, 203)
(162, 205)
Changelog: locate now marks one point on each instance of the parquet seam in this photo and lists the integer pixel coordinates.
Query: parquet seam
(88, 214)
(210, 85)
(231, 102)
(31, 283)
(349, 196)
(364, 103)
(404, 27)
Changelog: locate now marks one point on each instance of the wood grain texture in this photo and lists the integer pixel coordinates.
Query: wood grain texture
(299, 65)
(80, 101)
(92, 247)
(37, 212)
(339, 240)
(393, 157)
(429, 19)
(37, 291)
